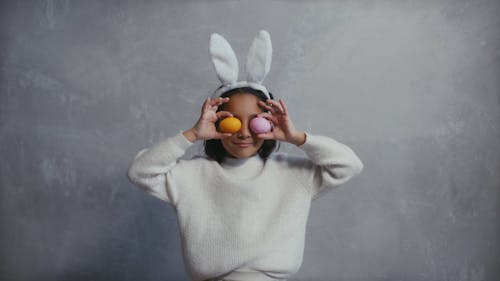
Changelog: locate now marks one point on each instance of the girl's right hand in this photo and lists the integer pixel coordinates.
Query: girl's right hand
(205, 128)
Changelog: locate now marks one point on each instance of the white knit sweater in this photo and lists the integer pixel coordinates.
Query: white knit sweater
(243, 219)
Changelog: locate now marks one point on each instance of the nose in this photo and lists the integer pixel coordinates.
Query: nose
(244, 132)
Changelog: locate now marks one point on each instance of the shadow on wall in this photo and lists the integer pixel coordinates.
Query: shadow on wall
(105, 230)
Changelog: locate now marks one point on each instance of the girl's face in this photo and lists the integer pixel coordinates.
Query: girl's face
(244, 143)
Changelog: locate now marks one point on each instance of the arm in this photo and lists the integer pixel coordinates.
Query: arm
(151, 166)
(330, 164)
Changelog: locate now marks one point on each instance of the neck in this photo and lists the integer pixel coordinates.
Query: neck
(232, 161)
(244, 168)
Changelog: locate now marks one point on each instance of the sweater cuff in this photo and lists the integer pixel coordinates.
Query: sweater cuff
(181, 141)
(319, 147)
(306, 145)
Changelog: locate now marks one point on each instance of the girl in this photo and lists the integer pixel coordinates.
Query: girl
(242, 210)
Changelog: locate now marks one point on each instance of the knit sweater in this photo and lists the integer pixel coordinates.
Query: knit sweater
(244, 219)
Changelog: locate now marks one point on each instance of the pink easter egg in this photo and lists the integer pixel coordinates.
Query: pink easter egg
(260, 125)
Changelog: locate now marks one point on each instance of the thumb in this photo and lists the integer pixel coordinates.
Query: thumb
(223, 114)
(222, 135)
(266, 136)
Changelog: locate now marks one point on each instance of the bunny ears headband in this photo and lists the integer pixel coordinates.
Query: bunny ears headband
(226, 65)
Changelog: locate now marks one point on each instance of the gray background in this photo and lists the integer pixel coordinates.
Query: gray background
(412, 86)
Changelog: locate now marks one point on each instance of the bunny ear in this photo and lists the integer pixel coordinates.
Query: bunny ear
(259, 57)
(223, 59)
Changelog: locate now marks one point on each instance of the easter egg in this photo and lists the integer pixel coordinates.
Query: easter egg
(260, 125)
(230, 125)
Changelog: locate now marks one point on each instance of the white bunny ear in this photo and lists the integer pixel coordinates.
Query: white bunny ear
(223, 59)
(259, 57)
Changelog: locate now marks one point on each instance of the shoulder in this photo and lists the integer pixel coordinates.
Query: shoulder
(197, 161)
(187, 168)
(291, 161)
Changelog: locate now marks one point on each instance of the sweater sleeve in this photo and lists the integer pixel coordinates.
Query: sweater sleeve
(330, 164)
(151, 167)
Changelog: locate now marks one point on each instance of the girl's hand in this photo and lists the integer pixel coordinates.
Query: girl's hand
(205, 128)
(283, 128)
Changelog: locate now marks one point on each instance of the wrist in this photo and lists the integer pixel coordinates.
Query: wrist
(190, 135)
(299, 138)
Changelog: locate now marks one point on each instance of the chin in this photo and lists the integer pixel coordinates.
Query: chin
(238, 152)
(243, 154)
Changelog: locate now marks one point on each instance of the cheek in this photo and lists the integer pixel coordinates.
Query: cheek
(259, 142)
(225, 142)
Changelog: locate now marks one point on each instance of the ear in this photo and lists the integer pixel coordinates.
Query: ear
(223, 59)
(259, 57)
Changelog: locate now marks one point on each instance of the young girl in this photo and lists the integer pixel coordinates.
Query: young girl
(242, 210)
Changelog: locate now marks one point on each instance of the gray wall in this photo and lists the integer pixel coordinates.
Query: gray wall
(412, 86)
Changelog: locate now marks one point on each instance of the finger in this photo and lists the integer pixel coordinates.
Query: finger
(223, 135)
(223, 114)
(268, 107)
(269, 117)
(285, 110)
(266, 136)
(206, 103)
(265, 115)
(206, 106)
(218, 101)
(276, 105)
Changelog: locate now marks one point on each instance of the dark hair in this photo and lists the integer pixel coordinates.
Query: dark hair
(214, 148)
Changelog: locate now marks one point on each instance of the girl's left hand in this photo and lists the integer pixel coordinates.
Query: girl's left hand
(283, 128)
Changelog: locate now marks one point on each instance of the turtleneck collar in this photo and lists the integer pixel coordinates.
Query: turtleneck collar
(243, 168)
(237, 162)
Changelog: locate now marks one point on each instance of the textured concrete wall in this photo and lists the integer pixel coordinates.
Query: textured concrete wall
(412, 86)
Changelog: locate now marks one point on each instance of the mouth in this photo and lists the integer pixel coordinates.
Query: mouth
(242, 144)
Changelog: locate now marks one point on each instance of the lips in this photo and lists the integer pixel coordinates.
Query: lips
(243, 144)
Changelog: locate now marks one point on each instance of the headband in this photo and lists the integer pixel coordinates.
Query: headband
(225, 63)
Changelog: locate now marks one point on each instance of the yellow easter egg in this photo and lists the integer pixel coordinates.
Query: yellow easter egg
(230, 125)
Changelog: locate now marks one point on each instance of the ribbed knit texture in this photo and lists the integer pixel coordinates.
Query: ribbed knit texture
(244, 219)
